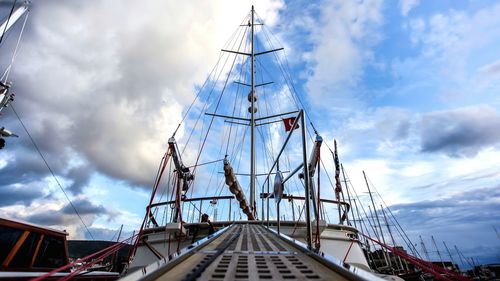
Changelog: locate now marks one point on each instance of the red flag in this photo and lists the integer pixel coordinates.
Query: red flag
(289, 123)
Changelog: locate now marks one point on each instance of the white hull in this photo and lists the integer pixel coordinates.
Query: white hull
(338, 241)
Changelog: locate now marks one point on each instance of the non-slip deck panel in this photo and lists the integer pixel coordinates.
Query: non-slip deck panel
(250, 252)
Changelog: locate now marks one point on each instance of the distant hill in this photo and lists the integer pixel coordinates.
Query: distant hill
(82, 248)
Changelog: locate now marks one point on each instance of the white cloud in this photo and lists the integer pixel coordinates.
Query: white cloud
(113, 77)
(491, 68)
(106, 82)
(488, 76)
(392, 157)
(454, 46)
(407, 5)
(342, 39)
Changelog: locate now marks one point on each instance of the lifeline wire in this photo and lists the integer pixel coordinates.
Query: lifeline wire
(52, 172)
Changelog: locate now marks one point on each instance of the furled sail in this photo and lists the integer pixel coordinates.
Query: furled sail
(235, 188)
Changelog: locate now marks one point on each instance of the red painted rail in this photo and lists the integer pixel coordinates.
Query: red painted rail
(438, 272)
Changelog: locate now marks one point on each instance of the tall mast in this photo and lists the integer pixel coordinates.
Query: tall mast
(424, 248)
(392, 237)
(348, 197)
(384, 253)
(449, 254)
(460, 256)
(359, 218)
(376, 217)
(388, 226)
(252, 125)
(438, 252)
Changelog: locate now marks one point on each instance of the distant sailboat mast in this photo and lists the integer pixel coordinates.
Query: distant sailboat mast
(438, 252)
(449, 254)
(422, 244)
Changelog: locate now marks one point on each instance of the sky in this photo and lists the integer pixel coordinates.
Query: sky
(409, 89)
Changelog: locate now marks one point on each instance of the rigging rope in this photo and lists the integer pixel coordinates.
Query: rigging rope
(163, 164)
(157, 174)
(289, 83)
(238, 132)
(403, 234)
(204, 83)
(202, 144)
(438, 272)
(214, 71)
(101, 255)
(278, 105)
(5, 75)
(362, 208)
(215, 111)
(51, 171)
(318, 241)
(8, 19)
(201, 111)
(236, 99)
(178, 200)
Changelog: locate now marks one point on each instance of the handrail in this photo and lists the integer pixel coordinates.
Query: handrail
(293, 197)
(193, 199)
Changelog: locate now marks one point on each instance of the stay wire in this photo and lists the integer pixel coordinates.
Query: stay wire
(238, 132)
(201, 111)
(392, 217)
(285, 69)
(5, 75)
(158, 171)
(206, 80)
(210, 162)
(214, 168)
(290, 88)
(363, 209)
(197, 95)
(51, 172)
(220, 187)
(241, 149)
(216, 107)
(236, 100)
(8, 19)
(216, 78)
(287, 75)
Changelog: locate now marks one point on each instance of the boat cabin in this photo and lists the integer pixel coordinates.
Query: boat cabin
(28, 247)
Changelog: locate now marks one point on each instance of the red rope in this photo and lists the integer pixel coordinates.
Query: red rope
(348, 250)
(438, 272)
(318, 240)
(148, 209)
(174, 184)
(297, 221)
(180, 213)
(87, 265)
(105, 253)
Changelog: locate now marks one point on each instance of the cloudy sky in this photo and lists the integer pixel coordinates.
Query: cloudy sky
(409, 89)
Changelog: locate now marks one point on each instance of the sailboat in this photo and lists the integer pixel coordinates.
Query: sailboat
(240, 191)
(249, 230)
